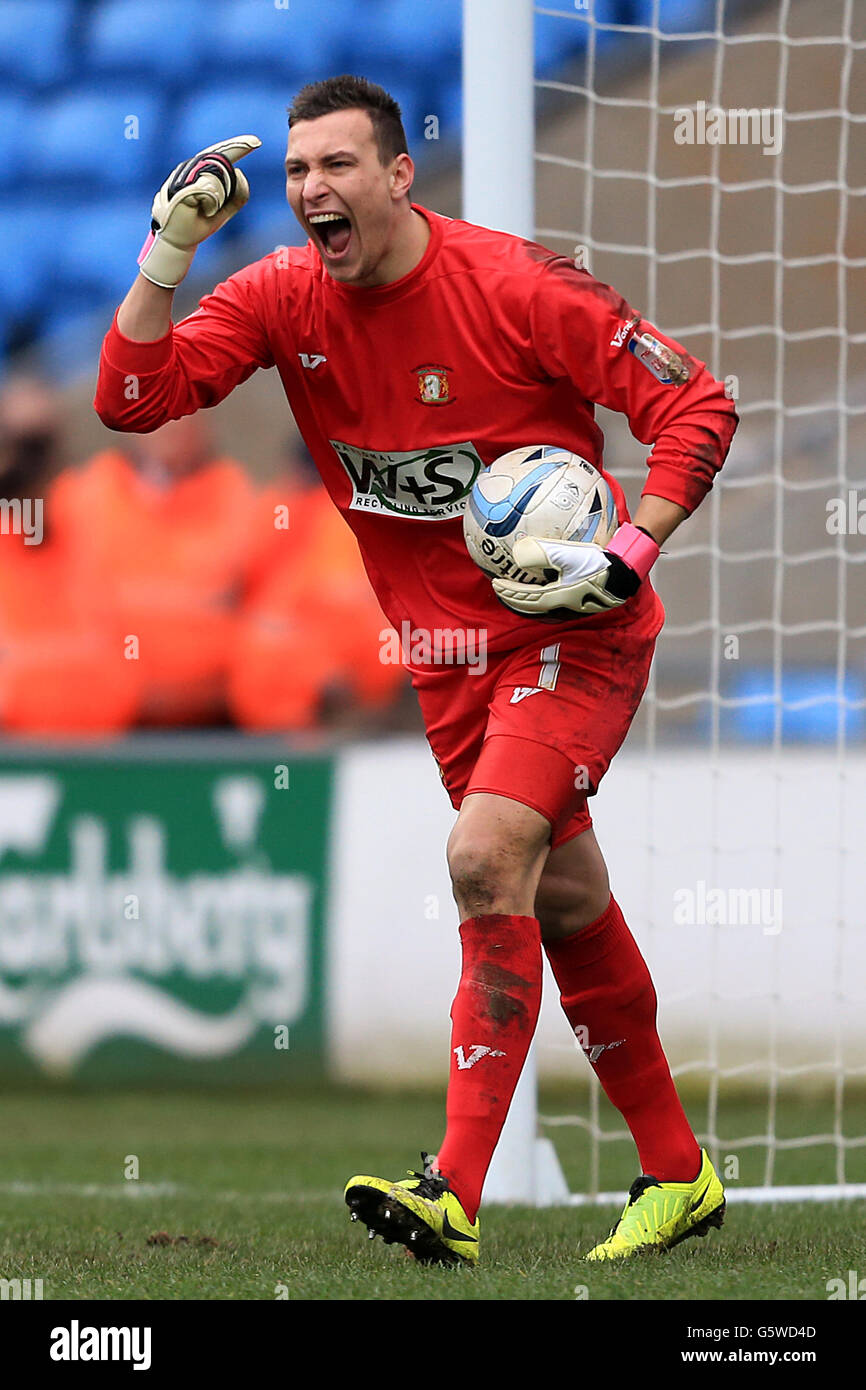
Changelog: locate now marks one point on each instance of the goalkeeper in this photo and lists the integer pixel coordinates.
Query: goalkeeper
(414, 350)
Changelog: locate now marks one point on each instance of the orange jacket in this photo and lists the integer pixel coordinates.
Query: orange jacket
(62, 666)
(177, 561)
(312, 624)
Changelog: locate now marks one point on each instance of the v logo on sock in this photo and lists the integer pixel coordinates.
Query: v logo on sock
(493, 1018)
(476, 1052)
(594, 1052)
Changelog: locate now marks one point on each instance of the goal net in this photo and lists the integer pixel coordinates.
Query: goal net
(709, 160)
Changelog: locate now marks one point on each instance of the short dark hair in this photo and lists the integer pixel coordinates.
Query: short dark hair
(346, 93)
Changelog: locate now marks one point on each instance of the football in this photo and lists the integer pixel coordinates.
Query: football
(539, 490)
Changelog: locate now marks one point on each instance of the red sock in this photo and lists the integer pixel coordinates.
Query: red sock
(610, 1002)
(493, 1015)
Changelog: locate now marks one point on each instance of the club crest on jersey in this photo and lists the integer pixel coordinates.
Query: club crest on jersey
(665, 365)
(433, 385)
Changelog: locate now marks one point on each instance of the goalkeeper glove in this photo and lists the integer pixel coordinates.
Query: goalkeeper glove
(586, 578)
(197, 198)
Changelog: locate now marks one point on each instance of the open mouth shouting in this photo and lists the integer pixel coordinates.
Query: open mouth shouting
(332, 232)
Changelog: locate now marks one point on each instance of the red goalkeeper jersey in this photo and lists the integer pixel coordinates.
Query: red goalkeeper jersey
(405, 391)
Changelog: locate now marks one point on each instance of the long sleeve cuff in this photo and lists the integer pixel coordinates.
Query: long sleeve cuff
(675, 485)
(126, 355)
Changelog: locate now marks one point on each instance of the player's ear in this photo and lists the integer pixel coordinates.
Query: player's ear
(402, 175)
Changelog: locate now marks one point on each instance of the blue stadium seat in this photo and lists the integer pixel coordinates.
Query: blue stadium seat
(71, 337)
(97, 252)
(266, 223)
(424, 36)
(450, 108)
(103, 264)
(160, 38)
(415, 105)
(16, 116)
(236, 110)
(557, 41)
(29, 235)
(301, 42)
(813, 709)
(35, 40)
(675, 16)
(220, 256)
(108, 138)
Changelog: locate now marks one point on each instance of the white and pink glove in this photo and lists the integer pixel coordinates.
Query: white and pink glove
(581, 577)
(197, 198)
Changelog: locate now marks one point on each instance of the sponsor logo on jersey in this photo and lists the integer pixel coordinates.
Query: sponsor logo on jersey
(476, 1052)
(665, 365)
(312, 360)
(623, 332)
(433, 385)
(419, 484)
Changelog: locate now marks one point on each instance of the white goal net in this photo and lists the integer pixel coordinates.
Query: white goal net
(709, 160)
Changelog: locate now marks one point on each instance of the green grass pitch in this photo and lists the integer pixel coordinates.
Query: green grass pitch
(239, 1196)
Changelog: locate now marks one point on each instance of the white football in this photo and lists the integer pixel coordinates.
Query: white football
(541, 491)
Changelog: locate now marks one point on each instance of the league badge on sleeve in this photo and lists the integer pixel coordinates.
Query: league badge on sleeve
(666, 365)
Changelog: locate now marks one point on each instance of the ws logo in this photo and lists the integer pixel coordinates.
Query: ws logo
(422, 484)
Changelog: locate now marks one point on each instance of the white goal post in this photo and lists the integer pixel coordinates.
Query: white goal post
(708, 160)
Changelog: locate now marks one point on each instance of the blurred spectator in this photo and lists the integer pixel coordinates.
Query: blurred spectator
(172, 526)
(157, 587)
(309, 645)
(62, 669)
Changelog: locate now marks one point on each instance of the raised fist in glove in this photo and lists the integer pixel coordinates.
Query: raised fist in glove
(197, 198)
(582, 578)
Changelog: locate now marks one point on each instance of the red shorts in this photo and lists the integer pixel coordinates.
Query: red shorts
(540, 724)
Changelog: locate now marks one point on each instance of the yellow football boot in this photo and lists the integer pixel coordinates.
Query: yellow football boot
(421, 1212)
(658, 1215)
